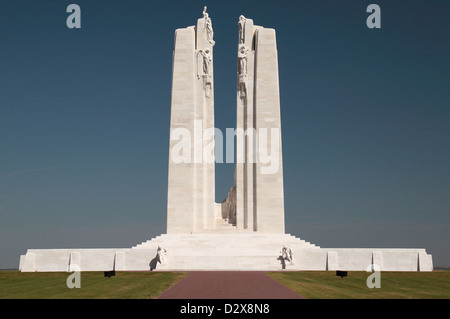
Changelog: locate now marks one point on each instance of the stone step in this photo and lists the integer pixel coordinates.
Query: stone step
(227, 254)
(220, 263)
(228, 239)
(222, 259)
(220, 221)
(222, 246)
(213, 236)
(205, 249)
(224, 242)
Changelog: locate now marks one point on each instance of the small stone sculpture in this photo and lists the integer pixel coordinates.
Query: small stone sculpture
(287, 254)
(208, 27)
(161, 254)
(242, 57)
(206, 62)
(241, 25)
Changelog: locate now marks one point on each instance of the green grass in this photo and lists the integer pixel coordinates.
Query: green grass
(124, 285)
(394, 285)
(149, 285)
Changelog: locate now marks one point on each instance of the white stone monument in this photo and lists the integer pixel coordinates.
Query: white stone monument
(257, 198)
(246, 231)
(190, 194)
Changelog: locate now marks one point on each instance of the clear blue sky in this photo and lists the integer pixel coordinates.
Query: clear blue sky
(84, 120)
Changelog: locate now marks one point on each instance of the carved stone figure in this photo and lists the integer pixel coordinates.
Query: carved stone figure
(161, 254)
(241, 25)
(206, 62)
(242, 58)
(208, 27)
(287, 254)
(229, 206)
(242, 69)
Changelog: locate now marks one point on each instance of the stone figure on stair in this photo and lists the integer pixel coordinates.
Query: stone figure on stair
(161, 255)
(287, 254)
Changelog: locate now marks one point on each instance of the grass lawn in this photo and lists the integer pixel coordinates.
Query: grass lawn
(124, 285)
(394, 285)
(149, 285)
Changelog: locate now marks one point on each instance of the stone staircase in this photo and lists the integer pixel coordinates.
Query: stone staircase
(231, 249)
(222, 225)
(224, 250)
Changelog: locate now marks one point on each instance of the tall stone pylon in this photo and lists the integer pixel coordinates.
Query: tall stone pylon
(191, 187)
(259, 167)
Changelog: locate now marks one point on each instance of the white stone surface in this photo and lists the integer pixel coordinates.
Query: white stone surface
(180, 203)
(191, 187)
(269, 185)
(259, 196)
(332, 261)
(259, 190)
(225, 251)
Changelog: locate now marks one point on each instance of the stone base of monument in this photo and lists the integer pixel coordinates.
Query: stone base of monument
(227, 251)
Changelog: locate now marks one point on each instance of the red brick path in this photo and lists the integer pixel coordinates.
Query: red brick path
(228, 285)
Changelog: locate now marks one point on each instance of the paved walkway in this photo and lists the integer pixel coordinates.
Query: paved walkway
(229, 285)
